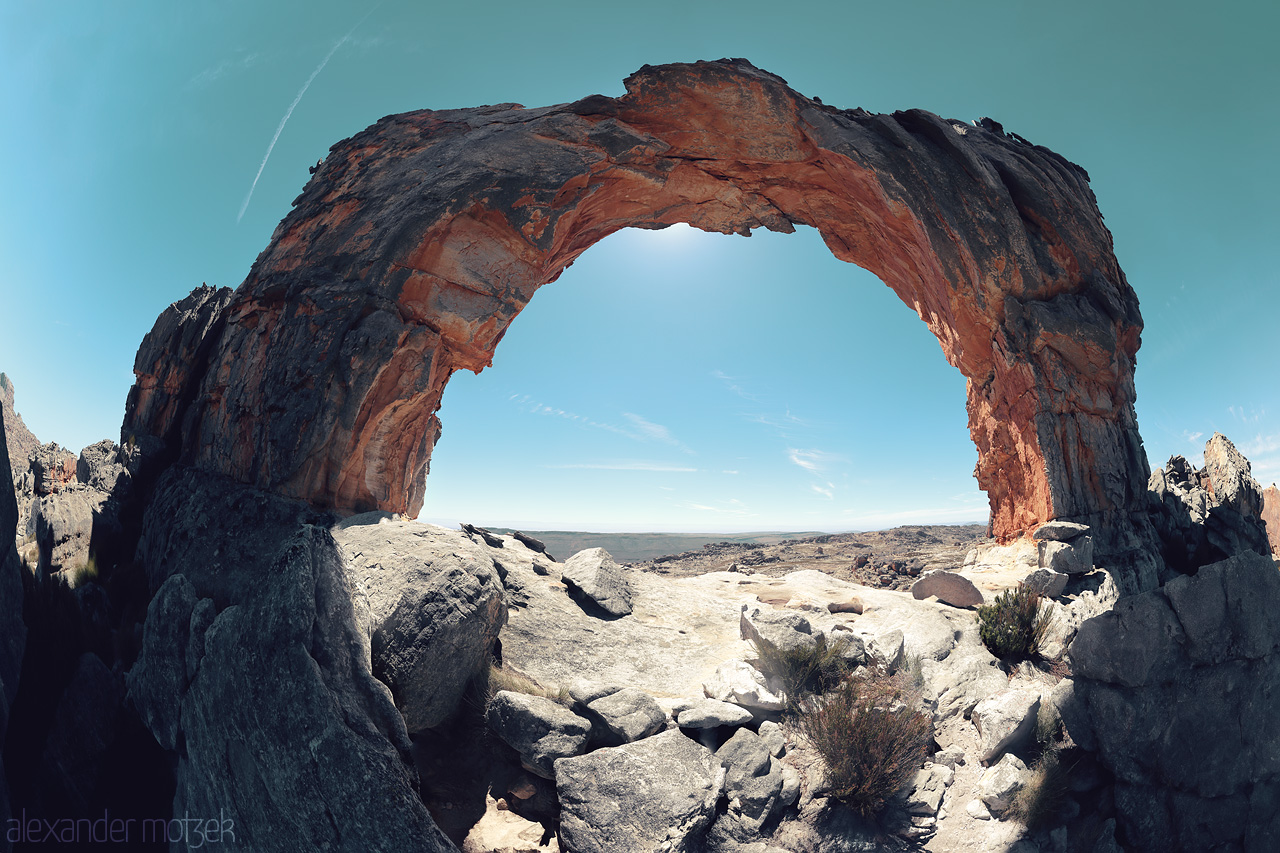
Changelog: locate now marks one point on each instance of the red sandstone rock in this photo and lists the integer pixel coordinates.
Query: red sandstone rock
(421, 238)
(1271, 516)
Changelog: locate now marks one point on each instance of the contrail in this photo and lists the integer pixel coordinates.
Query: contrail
(294, 105)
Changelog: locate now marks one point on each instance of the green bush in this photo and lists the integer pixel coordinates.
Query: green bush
(804, 671)
(871, 737)
(1014, 627)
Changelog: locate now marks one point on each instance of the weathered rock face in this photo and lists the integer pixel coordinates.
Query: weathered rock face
(1271, 516)
(435, 607)
(13, 632)
(256, 670)
(420, 239)
(1180, 686)
(21, 441)
(1203, 516)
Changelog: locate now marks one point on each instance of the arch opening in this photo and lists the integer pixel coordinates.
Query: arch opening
(420, 239)
(682, 381)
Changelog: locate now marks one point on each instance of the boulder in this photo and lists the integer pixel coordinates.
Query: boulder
(710, 714)
(64, 528)
(501, 830)
(53, 468)
(538, 728)
(774, 737)
(657, 794)
(1005, 721)
(1060, 531)
(99, 468)
(928, 788)
(1000, 782)
(1047, 582)
(1069, 558)
(625, 716)
(435, 604)
(947, 587)
(752, 783)
(784, 630)
(595, 575)
(742, 684)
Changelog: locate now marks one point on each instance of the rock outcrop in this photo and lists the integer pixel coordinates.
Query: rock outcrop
(20, 440)
(1206, 515)
(419, 240)
(1271, 516)
(256, 671)
(13, 631)
(1179, 686)
(435, 607)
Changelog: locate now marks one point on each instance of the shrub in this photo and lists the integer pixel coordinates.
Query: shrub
(81, 575)
(804, 671)
(1014, 627)
(871, 737)
(1038, 803)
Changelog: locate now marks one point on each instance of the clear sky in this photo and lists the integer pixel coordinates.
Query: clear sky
(673, 380)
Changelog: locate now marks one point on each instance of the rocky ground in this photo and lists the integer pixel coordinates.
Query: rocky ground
(884, 559)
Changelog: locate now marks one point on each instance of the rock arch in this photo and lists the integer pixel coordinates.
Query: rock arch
(419, 240)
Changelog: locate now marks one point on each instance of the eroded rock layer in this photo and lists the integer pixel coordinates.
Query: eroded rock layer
(421, 238)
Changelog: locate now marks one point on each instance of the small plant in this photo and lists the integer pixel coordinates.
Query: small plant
(1014, 627)
(1048, 726)
(83, 574)
(915, 669)
(871, 736)
(1038, 803)
(803, 670)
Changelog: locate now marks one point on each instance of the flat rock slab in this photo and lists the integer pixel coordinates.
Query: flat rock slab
(710, 714)
(1060, 531)
(657, 794)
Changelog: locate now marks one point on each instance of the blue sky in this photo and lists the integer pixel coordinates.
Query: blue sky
(672, 380)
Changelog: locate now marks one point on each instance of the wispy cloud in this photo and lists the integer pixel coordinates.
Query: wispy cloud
(1191, 437)
(828, 491)
(293, 106)
(732, 507)
(732, 384)
(814, 461)
(209, 76)
(627, 466)
(637, 428)
(649, 431)
(1247, 416)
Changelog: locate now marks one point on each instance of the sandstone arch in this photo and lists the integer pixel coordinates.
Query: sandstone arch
(421, 238)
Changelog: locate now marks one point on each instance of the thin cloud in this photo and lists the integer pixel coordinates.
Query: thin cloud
(814, 461)
(649, 431)
(732, 384)
(209, 76)
(1191, 437)
(828, 491)
(732, 507)
(293, 106)
(627, 466)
